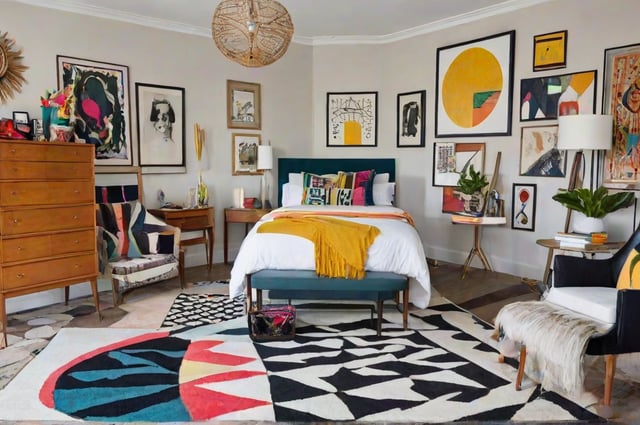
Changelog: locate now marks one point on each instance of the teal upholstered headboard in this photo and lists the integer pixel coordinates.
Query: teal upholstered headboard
(332, 165)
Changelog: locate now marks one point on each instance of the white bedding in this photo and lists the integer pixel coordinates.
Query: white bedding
(397, 249)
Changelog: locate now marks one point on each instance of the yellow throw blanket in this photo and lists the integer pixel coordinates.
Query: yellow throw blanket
(341, 246)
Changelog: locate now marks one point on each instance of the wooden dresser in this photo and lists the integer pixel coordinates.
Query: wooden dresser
(47, 219)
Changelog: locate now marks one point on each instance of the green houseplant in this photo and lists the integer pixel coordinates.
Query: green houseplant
(471, 185)
(593, 205)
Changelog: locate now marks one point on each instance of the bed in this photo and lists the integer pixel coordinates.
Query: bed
(397, 249)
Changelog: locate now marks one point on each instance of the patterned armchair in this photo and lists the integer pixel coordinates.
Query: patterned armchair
(135, 248)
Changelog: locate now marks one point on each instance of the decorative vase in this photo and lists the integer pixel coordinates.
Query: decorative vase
(202, 193)
(587, 225)
(473, 203)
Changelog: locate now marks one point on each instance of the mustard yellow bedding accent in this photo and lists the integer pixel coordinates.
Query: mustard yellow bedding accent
(390, 215)
(340, 246)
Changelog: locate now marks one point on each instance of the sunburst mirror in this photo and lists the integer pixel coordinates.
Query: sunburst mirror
(11, 69)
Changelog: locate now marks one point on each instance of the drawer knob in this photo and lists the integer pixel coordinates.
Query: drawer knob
(76, 191)
(16, 220)
(12, 151)
(14, 193)
(20, 248)
(75, 217)
(76, 266)
(20, 275)
(76, 242)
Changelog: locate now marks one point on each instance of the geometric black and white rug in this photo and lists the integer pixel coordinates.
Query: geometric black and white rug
(191, 310)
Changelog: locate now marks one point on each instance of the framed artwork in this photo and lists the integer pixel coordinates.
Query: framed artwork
(161, 126)
(244, 154)
(243, 105)
(621, 99)
(523, 207)
(547, 98)
(539, 154)
(474, 93)
(98, 95)
(20, 117)
(352, 119)
(450, 159)
(452, 202)
(410, 119)
(550, 51)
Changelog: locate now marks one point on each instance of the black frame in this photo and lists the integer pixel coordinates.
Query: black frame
(24, 120)
(541, 39)
(400, 119)
(349, 98)
(515, 212)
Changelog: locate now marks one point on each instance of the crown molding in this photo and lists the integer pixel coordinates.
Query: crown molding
(167, 25)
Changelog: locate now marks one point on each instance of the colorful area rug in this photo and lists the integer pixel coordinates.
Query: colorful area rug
(444, 369)
(191, 310)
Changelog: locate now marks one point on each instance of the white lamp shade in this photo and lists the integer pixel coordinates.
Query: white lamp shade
(578, 132)
(265, 157)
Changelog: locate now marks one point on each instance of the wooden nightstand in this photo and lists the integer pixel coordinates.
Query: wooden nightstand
(240, 215)
(189, 220)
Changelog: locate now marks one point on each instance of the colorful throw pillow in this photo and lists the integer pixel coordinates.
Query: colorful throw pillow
(315, 188)
(339, 196)
(119, 221)
(629, 277)
(363, 187)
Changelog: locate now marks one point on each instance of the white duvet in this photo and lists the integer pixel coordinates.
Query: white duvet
(397, 249)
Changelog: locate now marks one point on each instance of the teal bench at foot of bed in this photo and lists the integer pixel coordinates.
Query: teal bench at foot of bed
(306, 284)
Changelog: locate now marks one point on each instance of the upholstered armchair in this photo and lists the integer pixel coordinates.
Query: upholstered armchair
(603, 290)
(135, 248)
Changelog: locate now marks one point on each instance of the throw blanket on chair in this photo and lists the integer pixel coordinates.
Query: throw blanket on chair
(340, 246)
(556, 339)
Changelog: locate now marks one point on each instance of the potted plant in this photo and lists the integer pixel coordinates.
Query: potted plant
(471, 185)
(593, 205)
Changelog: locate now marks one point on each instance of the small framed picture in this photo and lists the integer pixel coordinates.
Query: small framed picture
(450, 159)
(20, 117)
(243, 105)
(245, 154)
(410, 119)
(550, 51)
(523, 207)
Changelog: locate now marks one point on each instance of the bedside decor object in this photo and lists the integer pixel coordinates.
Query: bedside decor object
(550, 51)
(199, 138)
(582, 132)
(470, 186)
(11, 69)
(352, 119)
(252, 33)
(265, 163)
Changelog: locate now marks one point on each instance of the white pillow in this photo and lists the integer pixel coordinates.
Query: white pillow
(381, 178)
(295, 179)
(383, 193)
(291, 195)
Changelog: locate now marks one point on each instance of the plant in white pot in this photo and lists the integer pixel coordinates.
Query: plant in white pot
(593, 205)
(471, 185)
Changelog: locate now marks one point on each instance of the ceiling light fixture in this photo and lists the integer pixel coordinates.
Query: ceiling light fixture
(252, 33)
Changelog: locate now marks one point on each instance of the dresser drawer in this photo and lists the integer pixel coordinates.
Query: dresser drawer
(21, 221)
(23, 170)
(42, 272)
(46, 193)
(35, 151)
(51, 245)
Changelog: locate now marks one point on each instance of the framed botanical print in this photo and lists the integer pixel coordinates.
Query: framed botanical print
(98, 95)
(450, 159)
(243, 105)
(547, 98)
(410, 119)
(474, 92)
(523, 202)
(550, 51)
(161, 126)
(244, 154)
(621, 99)
(352, 119)
(539, 154)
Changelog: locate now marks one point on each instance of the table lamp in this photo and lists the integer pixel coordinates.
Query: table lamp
(579, 133)
(265, 163)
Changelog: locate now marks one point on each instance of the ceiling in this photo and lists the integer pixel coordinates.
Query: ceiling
(316, 21)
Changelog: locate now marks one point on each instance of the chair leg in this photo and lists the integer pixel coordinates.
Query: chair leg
(181, 267)
(66, 295)
(523, 359)
(610, 371)
(115, 286)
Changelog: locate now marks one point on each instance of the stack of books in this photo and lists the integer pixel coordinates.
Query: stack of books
(471, 219)
(573, 240)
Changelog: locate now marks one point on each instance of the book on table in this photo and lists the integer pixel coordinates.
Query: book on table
(470, 219)
(574, 238)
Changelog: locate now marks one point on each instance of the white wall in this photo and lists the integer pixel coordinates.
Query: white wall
(168, 58)
(294, 109)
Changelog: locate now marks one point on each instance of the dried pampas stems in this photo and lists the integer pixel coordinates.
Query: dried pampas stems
(11, 69)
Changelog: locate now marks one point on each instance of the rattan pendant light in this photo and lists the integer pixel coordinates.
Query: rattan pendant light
(253, 33)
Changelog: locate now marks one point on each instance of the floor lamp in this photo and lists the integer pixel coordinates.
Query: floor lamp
(265, 163)
(579, 133)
